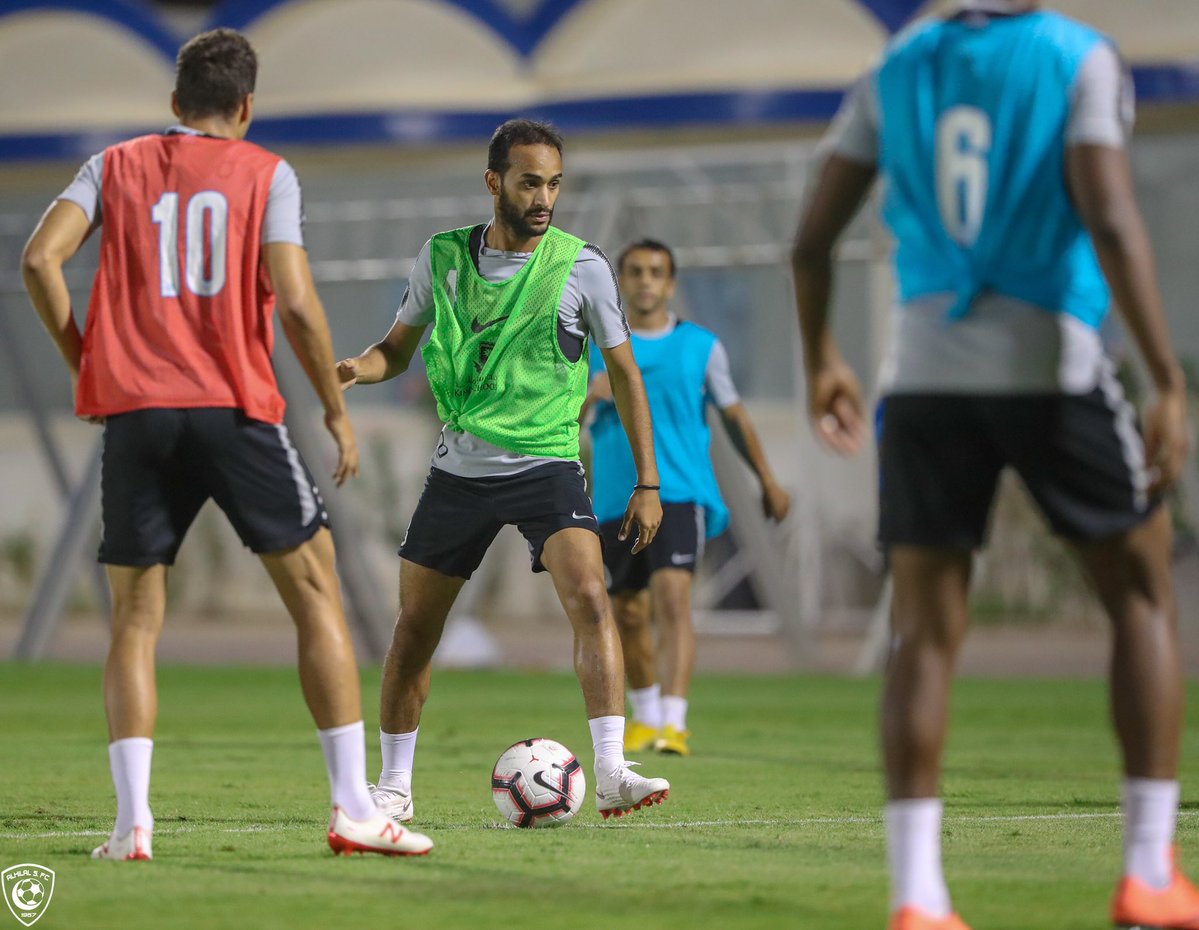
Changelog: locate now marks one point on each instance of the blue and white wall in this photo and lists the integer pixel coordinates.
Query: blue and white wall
(79, 73)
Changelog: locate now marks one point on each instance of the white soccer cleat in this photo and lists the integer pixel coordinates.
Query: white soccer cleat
(133, 845)
(619, 791)
(379, 834)
(393, 802)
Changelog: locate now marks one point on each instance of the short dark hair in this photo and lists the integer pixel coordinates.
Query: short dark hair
(214, 73)
(519, 132)
(649, 245)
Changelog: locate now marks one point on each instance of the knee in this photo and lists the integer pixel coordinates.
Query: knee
(631, 618)
(589, 603)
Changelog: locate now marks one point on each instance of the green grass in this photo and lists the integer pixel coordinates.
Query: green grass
(774, 823)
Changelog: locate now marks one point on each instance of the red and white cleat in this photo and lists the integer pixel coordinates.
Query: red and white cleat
(133, 845)
(619, 791)
(380, 834)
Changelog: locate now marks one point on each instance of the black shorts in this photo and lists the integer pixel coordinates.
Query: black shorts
(678, 544)
(1080, 456)
(161, 465)
(457, 519)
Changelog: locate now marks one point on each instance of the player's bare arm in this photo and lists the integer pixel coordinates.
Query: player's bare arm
(1100, 181)
(384, 360)
(62, 230)
(834, 394)
(303, 319)
(776, 502)
(628, 391)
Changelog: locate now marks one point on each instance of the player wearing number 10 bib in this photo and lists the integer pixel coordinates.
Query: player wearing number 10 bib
(1001, 132)
(200, 230)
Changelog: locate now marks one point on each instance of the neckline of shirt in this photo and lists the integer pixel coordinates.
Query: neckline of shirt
(672, 321)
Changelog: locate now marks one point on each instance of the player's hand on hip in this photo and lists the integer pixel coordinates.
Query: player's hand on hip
(835, 406)
(645, 509)
(776, 503)
(347, 373)
(342, 431)
(1167, 440)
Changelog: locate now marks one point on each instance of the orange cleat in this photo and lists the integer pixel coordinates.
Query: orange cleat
(1138, 906)
(912, 918)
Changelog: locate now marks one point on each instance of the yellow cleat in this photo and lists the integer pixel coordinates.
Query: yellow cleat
(672, 741)
(638, 736)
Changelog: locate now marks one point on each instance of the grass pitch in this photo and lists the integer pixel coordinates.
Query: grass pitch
(775, 822)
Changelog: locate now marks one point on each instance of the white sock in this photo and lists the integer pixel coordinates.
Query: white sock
(674, 711)
(607, 738)
(1150, 813)
(914, 854)
(129, 760)
(345, 760)
(399, 749)
(647, 705)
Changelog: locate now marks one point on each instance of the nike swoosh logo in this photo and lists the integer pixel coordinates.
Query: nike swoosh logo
(582, 516)
(539, 778)
(678, 558)
(476, 327)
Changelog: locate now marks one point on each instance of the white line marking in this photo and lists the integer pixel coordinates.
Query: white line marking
(634, 822)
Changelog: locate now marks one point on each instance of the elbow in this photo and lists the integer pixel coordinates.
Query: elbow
(292, 312)
(35, 261)
(1109, 234)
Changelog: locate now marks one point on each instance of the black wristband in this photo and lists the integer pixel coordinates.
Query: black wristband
(647, 487)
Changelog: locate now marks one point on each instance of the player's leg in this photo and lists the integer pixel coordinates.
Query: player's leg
(149, 499)
(426, 596)
(551, 508)
(306, 578)
(1132, 576)
(634, 622)
(938, 474)
(929, 620)
(449, 534)
(628, 588)
(1089, 478)
(673, 557)
(572, 557)
(131, 703)
(670, 590)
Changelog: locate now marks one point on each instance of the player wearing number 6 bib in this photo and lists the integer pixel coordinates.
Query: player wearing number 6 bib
(200, 238)
(1001, 132)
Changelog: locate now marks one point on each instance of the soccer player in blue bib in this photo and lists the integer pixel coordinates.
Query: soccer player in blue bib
(685, 368)
(1001, 132)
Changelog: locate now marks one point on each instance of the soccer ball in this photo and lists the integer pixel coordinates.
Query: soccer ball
(538, 783)
(28, 893)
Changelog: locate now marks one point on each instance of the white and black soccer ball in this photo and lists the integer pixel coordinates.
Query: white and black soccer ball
(538, 783)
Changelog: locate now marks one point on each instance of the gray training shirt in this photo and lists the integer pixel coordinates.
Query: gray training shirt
(590, 306)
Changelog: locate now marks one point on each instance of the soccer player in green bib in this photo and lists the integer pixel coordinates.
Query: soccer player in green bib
(513, 303)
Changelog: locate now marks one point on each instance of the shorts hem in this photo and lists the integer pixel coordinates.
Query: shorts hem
(290, 541)
(135, 561)
(425, 562)
(1132, 521)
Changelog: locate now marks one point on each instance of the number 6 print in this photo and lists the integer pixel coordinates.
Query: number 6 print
(165, 215)
(963, 143)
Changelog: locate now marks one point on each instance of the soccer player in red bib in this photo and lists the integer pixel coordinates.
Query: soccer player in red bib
(201, 237)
